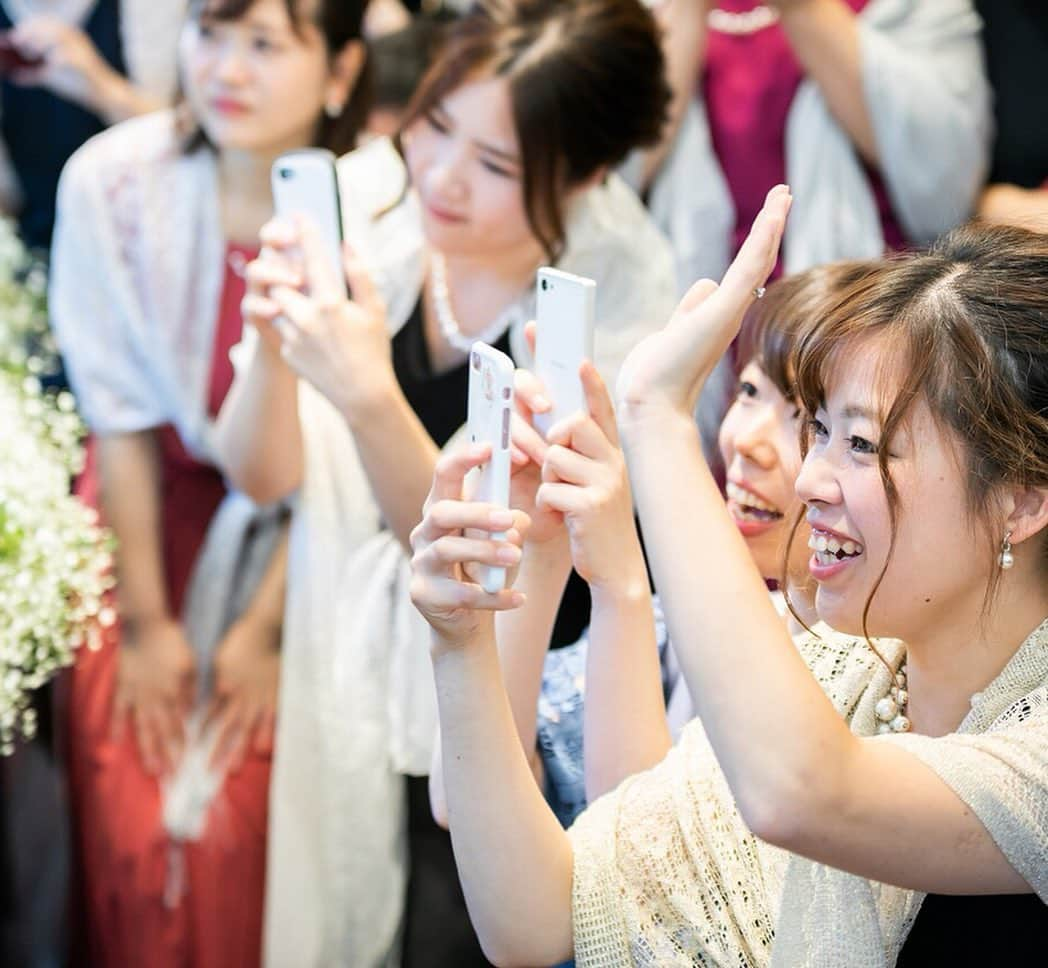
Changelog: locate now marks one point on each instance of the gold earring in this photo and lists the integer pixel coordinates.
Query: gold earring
(1007, 559)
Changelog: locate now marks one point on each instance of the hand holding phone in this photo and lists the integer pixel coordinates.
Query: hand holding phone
(488, 419)
(305, 185)
(565, 306)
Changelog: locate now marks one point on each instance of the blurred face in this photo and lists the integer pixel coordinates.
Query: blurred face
(254, 84)
(464, 160)
(759, 441)
(940, 566)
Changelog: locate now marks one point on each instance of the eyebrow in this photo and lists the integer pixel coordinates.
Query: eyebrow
(489, 149)
(855, 410)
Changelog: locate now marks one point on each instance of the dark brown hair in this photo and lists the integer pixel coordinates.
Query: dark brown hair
(587, 85)
(966, 324)
(339, 22)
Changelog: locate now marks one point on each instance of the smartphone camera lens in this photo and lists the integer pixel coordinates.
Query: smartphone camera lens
(545, 284)
(286, 173)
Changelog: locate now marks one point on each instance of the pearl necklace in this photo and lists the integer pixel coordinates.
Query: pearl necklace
(446, 319)
(741, 24)
(891, 710)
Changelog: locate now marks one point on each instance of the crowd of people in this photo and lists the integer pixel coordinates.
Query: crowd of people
(768, 684)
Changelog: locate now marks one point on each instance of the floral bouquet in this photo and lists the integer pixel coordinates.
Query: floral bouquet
(55, 560)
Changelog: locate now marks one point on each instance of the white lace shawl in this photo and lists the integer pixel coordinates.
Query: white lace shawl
(930, 104)
(357, 705)
(666, 872)
(136, 276)
(149, 32)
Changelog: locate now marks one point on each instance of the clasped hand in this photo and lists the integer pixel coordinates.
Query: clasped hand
(299, 305)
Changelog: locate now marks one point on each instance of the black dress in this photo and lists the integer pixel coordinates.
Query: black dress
(437, 931)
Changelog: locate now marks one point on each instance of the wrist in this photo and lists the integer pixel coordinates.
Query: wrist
(366, 406)
(627, 587)
(475, 637)
(652, 426)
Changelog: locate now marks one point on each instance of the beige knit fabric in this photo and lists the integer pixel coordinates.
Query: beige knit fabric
(667, 874)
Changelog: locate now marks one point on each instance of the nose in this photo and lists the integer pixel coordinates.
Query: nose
(231, 67)
(753, 438)
(817, 482)
(447, 173)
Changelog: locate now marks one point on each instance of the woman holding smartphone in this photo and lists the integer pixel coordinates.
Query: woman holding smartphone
(818, 776)
(171, 721)
(503, 166)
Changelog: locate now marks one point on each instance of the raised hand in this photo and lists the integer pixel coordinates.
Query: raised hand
(667, 369)
(450, 544)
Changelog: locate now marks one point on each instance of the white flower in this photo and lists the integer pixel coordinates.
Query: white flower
(55, 560)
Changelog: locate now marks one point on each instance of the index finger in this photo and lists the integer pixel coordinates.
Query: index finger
(598, 401)
(752, 266)
(325, 283)
(451, 471)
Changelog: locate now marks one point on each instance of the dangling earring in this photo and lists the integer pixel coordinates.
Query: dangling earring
(1006, 559)
(333, 108)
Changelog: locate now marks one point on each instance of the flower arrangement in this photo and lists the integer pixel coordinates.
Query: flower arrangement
(55, 560)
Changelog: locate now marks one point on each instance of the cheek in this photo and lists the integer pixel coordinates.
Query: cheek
(727, 432)
(500, 203)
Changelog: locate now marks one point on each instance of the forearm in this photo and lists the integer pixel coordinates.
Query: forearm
(258, 434)
(513, 858)
(824, 35)
(114, 98)
(523, 634)
(625, 712)
(683, 24)
(130, 493)
(776, 735)
(1012, 205)
(398, 456)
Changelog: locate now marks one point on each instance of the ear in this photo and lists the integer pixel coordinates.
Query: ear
(345, 70)
(1029, 515)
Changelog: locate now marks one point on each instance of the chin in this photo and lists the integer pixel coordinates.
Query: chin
(839, 612)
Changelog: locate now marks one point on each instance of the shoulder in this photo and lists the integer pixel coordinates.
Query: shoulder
(124, 150)
(372, 177)
(612, 238)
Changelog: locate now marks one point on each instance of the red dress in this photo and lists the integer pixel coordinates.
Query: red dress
(749, 82)
(125, 858)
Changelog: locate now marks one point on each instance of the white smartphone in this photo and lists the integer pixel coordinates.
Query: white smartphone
(490, 410)
(305, 183)
(565, 306)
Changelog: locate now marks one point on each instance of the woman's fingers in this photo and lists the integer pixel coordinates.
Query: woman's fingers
(362, 288)
(756, 258)
(451, 471)
(458, 550)
(527, 439)
(292, 305)
(440, 594)
(447, 516)
(265, 272)
(565, 464)
(322, 274)
(598, 401)
(279, 233)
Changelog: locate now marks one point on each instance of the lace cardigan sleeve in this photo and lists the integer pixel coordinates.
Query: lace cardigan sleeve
(93, 306)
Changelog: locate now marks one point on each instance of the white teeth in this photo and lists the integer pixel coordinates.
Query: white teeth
(829, 549)
(748, 499)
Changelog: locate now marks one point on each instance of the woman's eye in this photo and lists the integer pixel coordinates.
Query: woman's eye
(436, 124)
(747, 389)
(262, 45)
(817, 429)
(797, 413)
(861, 445)
(497, 169)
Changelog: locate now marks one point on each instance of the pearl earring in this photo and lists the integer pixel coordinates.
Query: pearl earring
(333, 108)
(1007, 560)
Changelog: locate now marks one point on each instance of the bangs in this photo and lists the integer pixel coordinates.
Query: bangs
(229, 10)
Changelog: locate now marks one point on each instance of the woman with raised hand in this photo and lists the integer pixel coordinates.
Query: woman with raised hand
(503, 165)
(608, 687)
(816, 777)
(172, 720)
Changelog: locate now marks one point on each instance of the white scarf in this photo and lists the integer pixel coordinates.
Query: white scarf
(357, 704)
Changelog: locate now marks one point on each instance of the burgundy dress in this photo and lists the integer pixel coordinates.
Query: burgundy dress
(124, 854)
(748, 84)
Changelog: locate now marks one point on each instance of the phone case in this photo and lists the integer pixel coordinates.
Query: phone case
(565, 306)
(490, 410)
(305, 183)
